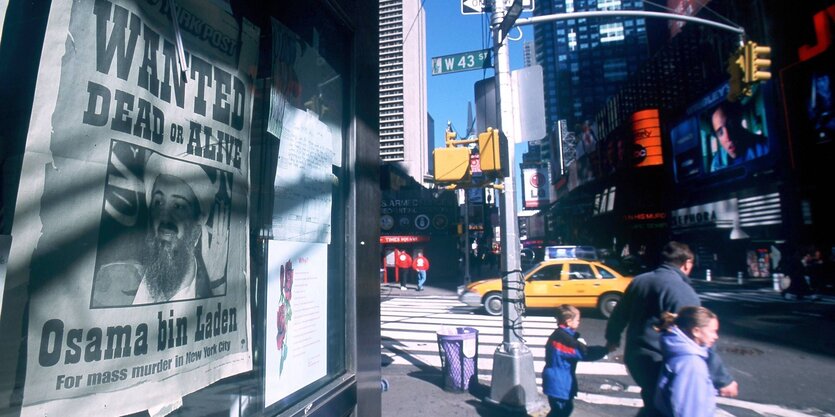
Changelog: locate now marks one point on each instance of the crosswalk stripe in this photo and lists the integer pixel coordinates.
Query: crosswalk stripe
(409, 329)
(759, 296)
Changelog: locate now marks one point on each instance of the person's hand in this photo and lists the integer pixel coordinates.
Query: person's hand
(612, 346)
(215, 244)
(730, 390)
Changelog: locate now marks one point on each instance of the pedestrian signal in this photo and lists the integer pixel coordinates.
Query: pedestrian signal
(451, 164)
(489, 150)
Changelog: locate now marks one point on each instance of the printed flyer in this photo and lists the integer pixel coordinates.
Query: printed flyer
(130, 226)
(297, 293)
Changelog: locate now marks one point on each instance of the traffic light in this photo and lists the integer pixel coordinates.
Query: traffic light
(748, 66)
(449, 138)
(736, 68)
(451, 164)
(757, 61)
(489, 150)
(523, 228)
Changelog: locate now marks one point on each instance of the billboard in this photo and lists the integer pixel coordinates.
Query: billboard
(717, 137)
(536, 186)
(683, 7)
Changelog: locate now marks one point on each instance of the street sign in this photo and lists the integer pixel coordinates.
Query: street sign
(466, 61)
(484, 6)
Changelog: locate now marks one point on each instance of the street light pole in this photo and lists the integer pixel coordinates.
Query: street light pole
(514, 380)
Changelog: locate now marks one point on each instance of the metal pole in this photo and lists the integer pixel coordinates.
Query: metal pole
(467, 277)
(514, 380)
(627, 13)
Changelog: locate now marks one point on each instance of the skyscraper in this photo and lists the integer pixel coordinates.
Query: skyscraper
(586, 60)
(403, 108)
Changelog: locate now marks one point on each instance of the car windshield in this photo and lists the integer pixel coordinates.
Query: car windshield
(528, 270)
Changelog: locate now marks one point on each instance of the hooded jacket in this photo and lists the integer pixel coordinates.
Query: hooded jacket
(562, 351)
(684, 386)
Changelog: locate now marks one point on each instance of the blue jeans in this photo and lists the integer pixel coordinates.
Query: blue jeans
(560, 407)
(421, 278)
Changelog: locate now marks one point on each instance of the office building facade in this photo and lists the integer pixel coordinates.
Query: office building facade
(403, 106)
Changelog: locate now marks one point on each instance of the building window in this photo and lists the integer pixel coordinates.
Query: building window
(611, 32)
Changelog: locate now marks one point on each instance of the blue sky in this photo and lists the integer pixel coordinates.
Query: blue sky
(449, 32)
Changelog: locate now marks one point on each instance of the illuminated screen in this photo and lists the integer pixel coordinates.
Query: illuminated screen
(717, 135)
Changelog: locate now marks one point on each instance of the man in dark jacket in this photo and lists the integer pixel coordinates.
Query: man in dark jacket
(665, 289)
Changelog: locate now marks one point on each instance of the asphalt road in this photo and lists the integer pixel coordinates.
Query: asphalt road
(781, 353)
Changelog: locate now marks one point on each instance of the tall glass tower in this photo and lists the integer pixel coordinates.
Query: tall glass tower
(585, 61)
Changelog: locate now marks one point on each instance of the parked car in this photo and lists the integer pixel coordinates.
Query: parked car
(554, 282)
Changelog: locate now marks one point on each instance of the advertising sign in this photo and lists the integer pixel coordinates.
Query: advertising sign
(683, 7)
(415, 214)
(536, 186)
(646, 130)
(718, 136)
(134, 183)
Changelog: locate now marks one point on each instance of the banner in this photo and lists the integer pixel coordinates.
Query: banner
(131, 220)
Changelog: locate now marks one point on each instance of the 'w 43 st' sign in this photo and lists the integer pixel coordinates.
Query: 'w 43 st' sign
(466, 61)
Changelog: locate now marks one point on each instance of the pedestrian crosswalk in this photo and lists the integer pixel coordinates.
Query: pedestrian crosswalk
(409, 329)
(760, 296)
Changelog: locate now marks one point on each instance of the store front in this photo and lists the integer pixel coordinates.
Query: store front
(179, 198)
(737, 235)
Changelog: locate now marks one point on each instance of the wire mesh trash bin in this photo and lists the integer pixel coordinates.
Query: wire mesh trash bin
(458, 348)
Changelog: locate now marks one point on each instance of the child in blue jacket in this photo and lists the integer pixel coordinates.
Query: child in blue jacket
(562, 351)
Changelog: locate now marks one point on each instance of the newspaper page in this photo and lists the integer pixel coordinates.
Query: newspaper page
(131, 225)
(297, 331)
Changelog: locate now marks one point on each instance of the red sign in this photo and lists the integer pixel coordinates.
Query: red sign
(823, 33)
(404, 239)
(475, 164)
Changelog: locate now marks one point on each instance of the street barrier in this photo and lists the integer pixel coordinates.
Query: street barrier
(458, 348)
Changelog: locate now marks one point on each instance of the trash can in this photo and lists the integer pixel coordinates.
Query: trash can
(458, 348)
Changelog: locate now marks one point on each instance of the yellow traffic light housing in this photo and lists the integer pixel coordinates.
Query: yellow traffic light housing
(449, 138)
(748, 66)
(451, 164)
(736, 68)
(757, 61)
(489, 150)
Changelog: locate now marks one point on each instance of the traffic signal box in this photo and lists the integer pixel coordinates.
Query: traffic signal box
(489, 150)
(736, 68)
(748, 66)
(757, 61)
(451, 164)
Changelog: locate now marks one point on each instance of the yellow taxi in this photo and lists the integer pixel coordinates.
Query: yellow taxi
(550, 283)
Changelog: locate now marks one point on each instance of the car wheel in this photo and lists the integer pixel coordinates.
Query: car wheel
(493, 304)
(607, 304)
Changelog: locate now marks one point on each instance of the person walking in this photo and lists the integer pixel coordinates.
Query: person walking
(685, 388)
(648, 296)
(800, 270)
(421, 265)
(404, 262)
(562, 351)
